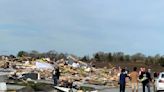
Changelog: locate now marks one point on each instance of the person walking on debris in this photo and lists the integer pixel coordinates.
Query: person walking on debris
(134, 79)
(145, 78)
(122, 80)
(56, 75)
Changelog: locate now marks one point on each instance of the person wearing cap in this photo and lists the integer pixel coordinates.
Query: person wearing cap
(122, 80)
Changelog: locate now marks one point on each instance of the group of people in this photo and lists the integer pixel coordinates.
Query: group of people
(135, 77)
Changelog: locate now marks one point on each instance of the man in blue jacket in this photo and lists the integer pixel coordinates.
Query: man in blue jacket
(122, 80)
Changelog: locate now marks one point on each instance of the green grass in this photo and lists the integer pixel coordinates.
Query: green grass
(84, 88)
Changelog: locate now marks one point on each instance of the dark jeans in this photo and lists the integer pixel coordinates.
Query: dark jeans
(55, 78)
(146, 85)
(122, 87)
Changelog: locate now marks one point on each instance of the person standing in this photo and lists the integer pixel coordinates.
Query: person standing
(122, 80)
(134, 79)
(155, 76)
(145, 78)
(56, 75)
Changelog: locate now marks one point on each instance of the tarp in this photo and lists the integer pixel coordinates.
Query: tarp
(43, 65)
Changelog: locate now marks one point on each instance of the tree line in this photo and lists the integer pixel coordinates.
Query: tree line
(122, 57)
(99, 57)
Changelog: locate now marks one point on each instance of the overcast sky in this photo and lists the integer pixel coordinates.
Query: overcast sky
(82, 27)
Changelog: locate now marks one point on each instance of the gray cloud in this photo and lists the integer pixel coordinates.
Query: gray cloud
(83, 26)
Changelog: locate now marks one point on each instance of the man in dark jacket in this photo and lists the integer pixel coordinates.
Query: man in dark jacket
(122, 80)
(145, 78)
(56, 75)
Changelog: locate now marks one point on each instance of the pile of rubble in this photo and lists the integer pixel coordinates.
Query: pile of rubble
(72, 71)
